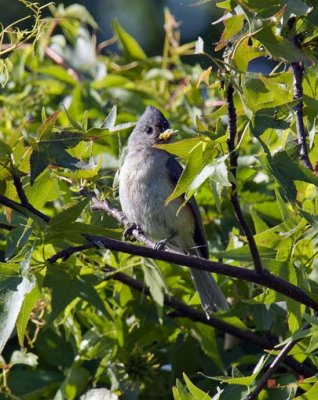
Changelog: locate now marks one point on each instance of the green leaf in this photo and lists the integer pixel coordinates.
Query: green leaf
(180, 392)
(68, 138)
(45, 189)
(24, 315)
(279, 47)
(244, 254)
(131, 48)
(45, 129)
(198, 168)
(54, 349)
(155, 282)
(69, 215)
(14, 287)
(265, 92)
(58, 73)
(232, 26)
(244, 53)
(245, 380)
(311, 394)
(38, 163)
(75, 382)
(197, 393)
(287, 171)
(66, 288)
(182, 148)
(207, 340)
(51, 152)
(34, 384)
(110, 120)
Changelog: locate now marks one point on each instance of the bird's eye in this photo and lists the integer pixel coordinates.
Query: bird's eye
(149, 130)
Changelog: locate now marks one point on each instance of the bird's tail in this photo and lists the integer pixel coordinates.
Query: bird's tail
(212, 298)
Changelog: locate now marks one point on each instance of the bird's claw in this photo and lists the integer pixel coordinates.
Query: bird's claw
(161, 244)
(128, 232)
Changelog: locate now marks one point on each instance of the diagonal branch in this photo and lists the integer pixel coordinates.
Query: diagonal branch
(265, 279)
(5, 201)
(298, 71)
(275, 364)
(231, 112)
(120, 217)
(183, 310)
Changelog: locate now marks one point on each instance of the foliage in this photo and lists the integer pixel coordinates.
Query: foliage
(67, 111)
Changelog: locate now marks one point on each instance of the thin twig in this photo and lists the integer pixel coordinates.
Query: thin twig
(57, 59)
(265, 279)
(275, 364)
(234, 196)
(298, 71)
(49, 52)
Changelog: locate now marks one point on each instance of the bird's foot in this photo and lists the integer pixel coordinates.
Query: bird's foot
(128, 232)
(161, 244)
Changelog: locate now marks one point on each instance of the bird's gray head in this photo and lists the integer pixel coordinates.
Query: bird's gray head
(152, 128)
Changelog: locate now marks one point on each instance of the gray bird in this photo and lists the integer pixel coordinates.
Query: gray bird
(147, 177)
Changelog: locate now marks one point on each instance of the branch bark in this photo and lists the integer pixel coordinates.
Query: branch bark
(231, 112)
(298, 71)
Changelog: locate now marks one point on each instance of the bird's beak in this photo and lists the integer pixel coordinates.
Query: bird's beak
(166, 135)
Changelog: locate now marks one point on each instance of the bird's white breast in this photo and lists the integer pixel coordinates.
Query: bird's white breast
(144, 185)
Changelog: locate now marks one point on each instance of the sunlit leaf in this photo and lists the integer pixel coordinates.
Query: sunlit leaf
(131, 48)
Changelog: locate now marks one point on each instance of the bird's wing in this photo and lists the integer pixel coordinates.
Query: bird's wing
(200, 239)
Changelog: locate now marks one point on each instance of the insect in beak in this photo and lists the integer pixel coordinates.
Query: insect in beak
(166, 135)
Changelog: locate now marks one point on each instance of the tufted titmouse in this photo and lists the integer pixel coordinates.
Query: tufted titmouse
(147, 177)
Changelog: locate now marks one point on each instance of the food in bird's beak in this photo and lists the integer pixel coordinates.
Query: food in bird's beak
(166, 135)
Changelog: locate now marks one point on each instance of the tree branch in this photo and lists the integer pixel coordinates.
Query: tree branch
(120, 217)
(274, 365)
(6, 227)
(5, 201)
(231, 112)
(183, 310)
(265, 279)
(298, 71)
